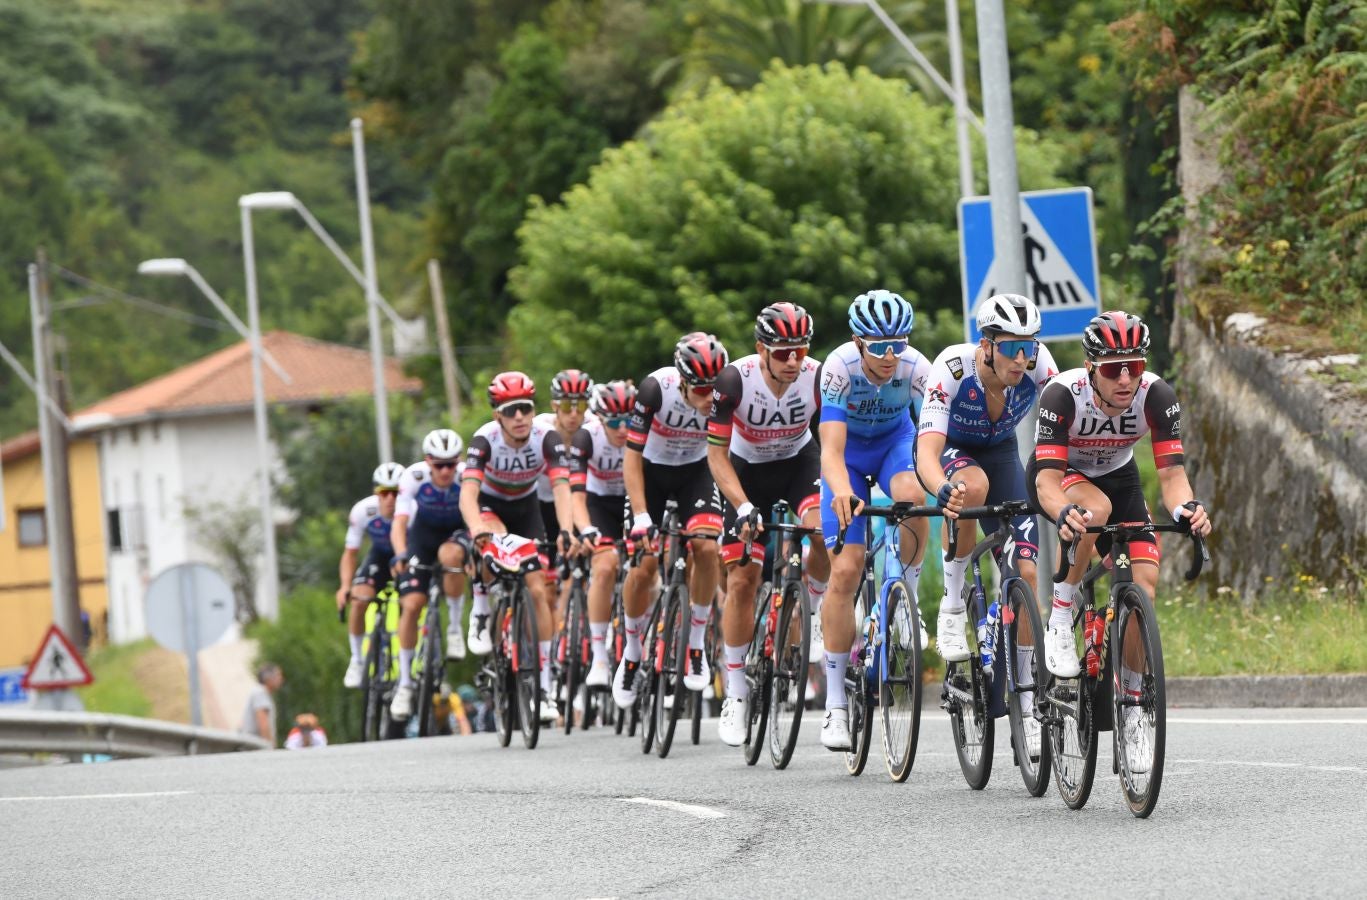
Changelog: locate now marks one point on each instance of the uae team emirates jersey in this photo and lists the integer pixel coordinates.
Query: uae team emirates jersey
(663, 427)
(510, 472)
(757, 425)
(1073, 432)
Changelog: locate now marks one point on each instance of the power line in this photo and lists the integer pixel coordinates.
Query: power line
(139, 302)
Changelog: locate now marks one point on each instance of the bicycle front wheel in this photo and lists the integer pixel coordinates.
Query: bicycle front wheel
(788, 686)
(759, 670)
(1020, 623)
(372, 691)
(527, 669)
(433, 671)
(505, 687)
(1141, 704)
(900, 691)
(576, 629)
(671, 694)
(648, 681)
(1070, 728)
(858, 693)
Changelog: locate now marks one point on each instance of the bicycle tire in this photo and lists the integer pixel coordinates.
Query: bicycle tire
(372, 690)
(505, 689)
(433, 671)
(900, 693)
(857, 693)
(642, 711)
(966, 688)
(1140, 789)
(1070, 726)
(527, 668)
(674, 644)
(758, 671)
(788, 681)
(1021, 607)
(574, 650)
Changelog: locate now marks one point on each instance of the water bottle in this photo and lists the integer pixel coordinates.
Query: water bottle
(987, 637)
(1093, 634)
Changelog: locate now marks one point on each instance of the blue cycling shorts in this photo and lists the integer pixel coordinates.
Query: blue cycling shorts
(879, 458)
(1005, 481)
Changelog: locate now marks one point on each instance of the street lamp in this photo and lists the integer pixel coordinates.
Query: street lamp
(955, 92)
(374, 302)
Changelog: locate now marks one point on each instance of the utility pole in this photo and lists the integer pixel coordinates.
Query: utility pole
(61, 537)
(448, 352)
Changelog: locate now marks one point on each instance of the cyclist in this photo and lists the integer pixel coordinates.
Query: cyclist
(498, 491)
(428, 529)
(570, 390)
(870, 388)
(761, 450)
(666, 458)
(978, 394)
(600, 497)
(371, 516)
(1084, 470)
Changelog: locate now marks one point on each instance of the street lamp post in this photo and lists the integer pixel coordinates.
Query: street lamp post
(372, 291)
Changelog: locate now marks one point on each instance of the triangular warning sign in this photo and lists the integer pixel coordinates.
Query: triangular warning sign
(57, 664)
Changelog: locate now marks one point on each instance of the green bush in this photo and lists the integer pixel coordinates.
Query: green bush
(310, 645)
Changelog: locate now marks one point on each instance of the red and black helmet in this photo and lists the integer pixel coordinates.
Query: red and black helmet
(570, 384)
(508, 386)
(616, 398)
(1115, 333)
(699, 357)
(783, 323)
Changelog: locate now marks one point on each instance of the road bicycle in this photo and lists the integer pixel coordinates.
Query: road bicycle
(1121, 635)
(573, 650)
(776, 664)
(885, 662)
(381, 673)
(993, 682)
(516, 659)
(429, 655)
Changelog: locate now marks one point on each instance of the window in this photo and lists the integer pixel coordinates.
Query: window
(32, 528)
(114, 530)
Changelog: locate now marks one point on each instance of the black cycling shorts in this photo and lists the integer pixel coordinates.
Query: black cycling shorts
(608, 513)
(796, 480)
(1123, 488)
(374, 571)
(1005, 481)
(689, 485)
(423, 542)
(520, 517)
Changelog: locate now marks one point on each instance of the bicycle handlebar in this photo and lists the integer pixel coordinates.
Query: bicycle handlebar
(898, 512)
(1129, 529)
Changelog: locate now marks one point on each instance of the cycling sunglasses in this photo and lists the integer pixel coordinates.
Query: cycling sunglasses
(381, 491)
(615, 421)
(515, 408)
(783, 354)
(567, 405)
(1010, 349)
(881, 348)
(1112, 370)
(443, 463)
(701, 390)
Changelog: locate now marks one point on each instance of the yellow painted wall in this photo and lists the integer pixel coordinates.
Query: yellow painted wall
(25, 579)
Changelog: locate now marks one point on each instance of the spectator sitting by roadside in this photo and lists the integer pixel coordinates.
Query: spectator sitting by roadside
(306, 733)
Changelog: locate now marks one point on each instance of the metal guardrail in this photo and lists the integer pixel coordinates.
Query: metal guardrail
(38, 731)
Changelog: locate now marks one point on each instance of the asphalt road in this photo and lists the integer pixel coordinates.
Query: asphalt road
(1265, 803)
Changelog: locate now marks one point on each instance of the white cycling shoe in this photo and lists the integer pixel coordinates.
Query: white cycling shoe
(697, 673)
(600, 674)
(735, 714)
(624, 684)
(1031, 728)
(455, 642)
(1138, 743)
(478, 638)
(401, 707)
(1060, 652)
(549, 711)
(835, 731)
(355, 674)
(949, 636)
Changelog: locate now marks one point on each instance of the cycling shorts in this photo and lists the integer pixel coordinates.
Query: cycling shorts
(689, 485)
(423, 542)
(374, 571)
(520, 517)
(607, 513)
(880, 458)
(550, 525)
(1126, 494)
(796, 479)
(1005, 481)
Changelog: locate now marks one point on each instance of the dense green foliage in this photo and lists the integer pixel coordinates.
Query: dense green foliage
(814, 186)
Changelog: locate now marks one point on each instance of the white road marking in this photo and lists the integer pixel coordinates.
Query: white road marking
(1186, 721)
(99, 796)
(701, 812)
(1271, 765)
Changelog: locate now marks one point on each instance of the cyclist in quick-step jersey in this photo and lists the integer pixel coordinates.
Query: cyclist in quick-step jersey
(371, 517)
(666, 459)
(870, 388)
(428, 528)
(761, 450)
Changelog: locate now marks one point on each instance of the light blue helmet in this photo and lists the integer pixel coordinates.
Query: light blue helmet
(880, 314)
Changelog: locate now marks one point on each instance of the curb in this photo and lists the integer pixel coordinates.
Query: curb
(1254, 691)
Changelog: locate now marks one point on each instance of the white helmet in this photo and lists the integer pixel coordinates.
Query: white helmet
(387, 475)
(442, 444)
(1010, 314)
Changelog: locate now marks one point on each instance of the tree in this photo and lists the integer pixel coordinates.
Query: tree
(814, 186)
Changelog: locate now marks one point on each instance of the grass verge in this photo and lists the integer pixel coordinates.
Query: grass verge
(117, 688)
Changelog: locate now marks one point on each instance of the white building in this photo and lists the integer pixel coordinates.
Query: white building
(178, 455)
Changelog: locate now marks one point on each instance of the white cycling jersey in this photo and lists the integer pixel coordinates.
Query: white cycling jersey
(365, 519)
(547, 420)
(595, 463)
(666, 430)
(756, 425)
(508, 472)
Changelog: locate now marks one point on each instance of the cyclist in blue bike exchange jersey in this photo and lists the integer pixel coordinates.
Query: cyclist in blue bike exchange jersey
(870, 393)
(977, 395)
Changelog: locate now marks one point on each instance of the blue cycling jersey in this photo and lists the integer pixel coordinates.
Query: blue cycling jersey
(365, 520)
(423, 502)
(871, 410)
(956, 401)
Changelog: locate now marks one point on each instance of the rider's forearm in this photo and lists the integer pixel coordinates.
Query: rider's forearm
(928, 469)
(634, 474)
(346, 568)
(469, 506)
(1175, 488)
(724, 474)
(564, 508)
(833, 458)
(398, 536)
(1049, 485)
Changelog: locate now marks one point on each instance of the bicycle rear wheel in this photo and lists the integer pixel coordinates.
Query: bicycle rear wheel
(858, 693)
(433, 671)
(372, 690)
(759, 670)
(1141, 704)
(788, 684)
(648, 681)
(900, 692)
(1020, 623)
(527, 669)
(505, 688)
(1070, 729)
(671, 695)
(576, 629)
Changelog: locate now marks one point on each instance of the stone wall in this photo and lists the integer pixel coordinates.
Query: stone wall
(1274, 445)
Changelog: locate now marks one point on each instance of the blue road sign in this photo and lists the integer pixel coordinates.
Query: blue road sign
(11, 688)
(1062, 273)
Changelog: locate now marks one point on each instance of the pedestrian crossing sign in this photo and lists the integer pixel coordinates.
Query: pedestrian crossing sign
(1062, 272)
(57, 664)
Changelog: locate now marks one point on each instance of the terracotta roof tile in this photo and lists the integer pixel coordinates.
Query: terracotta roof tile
(318, 371)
